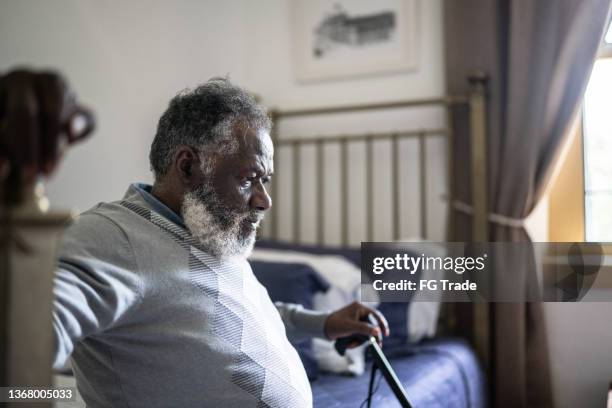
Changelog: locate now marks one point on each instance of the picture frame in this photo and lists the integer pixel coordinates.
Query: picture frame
(335, 39)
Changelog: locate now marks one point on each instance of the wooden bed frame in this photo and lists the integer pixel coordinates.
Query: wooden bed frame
(475, 102)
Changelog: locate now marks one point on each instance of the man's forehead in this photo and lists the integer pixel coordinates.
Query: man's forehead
(254, 141)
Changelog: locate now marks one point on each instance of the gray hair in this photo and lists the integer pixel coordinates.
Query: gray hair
(204, 118)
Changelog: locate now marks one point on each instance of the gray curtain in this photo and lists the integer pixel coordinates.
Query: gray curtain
(538, 54)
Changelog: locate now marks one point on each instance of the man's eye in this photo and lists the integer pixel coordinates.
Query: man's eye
(266, 179)
(246, 182)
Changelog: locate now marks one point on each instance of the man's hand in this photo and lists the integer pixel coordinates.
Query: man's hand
(346, 321)
(38, 115)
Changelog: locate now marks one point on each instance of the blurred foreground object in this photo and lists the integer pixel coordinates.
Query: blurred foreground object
(39, 118)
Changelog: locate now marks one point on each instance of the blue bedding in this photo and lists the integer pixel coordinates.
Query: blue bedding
(437, 373)
(434, 373)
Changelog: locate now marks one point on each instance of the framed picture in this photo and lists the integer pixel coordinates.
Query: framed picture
(344, 38)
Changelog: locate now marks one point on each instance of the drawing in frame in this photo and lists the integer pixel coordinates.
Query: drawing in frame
(346, 38)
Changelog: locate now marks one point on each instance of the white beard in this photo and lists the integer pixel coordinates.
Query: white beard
(221, 241)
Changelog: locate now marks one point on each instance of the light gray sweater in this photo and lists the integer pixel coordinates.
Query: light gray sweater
(148, 319)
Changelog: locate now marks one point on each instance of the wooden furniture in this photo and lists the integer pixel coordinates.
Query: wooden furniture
(29, 237)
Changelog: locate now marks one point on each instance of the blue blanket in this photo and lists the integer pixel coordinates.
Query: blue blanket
(437, 373)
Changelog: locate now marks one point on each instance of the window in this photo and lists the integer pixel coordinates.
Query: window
(598, 148)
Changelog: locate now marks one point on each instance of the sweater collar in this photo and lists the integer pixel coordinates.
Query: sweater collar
(142, 191)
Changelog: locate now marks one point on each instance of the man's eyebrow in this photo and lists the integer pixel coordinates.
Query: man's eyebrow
(256, 169)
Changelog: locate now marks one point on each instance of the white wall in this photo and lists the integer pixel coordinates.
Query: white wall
(270, 69)
(126, 60)
(580, 340)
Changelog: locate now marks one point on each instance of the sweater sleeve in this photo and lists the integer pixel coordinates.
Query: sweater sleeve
(95, 284)
(301, 323)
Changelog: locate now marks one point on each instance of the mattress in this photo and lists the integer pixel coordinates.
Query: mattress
(436, 373)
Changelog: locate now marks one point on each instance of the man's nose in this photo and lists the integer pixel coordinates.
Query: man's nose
(261, 200)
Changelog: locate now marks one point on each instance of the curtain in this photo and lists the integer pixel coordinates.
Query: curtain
(538, 55)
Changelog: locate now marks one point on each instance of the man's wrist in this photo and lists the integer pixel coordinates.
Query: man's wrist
(314, 322)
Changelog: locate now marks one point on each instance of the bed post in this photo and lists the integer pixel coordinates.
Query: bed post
(273, 189)
(478, 178)
(478, 82)
(29, 239)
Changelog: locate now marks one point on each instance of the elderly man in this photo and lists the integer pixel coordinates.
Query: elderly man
(156, 304)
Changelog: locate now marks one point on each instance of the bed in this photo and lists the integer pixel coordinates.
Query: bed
(318, 214)
(435, 371)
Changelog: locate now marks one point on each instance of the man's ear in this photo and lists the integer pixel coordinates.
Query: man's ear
(186, 163)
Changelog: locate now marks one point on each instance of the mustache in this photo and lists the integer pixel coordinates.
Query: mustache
(237, 216)
(226, 215)
(253, 216)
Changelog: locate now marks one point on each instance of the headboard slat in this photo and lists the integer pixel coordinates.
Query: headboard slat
(297, 201)
(423, 184)
(344, 206)
(368, 191)
(395, 185)
(320, 169)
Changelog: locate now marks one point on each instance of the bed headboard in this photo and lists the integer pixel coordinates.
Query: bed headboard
(431, 206)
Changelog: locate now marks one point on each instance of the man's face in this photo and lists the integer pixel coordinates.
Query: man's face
(225, 209)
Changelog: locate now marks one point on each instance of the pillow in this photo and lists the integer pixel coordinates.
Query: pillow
(289, 282)
(293, 283)
(409, 322)
(417, 320)
(345, 280)
(423, 314)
